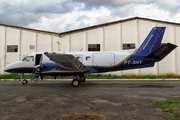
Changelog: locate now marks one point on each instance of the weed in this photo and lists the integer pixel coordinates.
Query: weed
(97, 76)
(171, 106)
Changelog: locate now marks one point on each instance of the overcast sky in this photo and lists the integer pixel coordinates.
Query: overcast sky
(65, 15)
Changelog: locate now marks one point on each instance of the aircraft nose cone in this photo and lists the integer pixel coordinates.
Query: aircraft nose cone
(8, 68)
(11, 67)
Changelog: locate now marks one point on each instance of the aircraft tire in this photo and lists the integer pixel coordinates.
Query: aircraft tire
(24, 82)
(82, 79)
(75, 83)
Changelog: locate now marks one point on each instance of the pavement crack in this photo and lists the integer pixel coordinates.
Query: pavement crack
(90, 105)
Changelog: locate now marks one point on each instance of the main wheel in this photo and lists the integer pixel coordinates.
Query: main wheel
(75, 83)
(82, 79)
(24, 82)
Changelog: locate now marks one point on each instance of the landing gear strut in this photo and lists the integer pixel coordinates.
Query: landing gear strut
(24, 82)
(82, 79)
(77, 80)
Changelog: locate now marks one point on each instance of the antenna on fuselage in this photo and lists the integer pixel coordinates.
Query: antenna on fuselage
(81, 49)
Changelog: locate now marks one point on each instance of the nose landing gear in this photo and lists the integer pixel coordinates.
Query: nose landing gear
(24, 82)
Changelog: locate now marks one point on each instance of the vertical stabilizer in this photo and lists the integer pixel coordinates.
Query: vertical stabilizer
(152, 41)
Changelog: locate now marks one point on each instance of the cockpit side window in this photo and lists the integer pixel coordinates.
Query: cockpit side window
(28, 58)
(24, 58)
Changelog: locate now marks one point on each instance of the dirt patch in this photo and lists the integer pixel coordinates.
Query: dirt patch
(85, 116)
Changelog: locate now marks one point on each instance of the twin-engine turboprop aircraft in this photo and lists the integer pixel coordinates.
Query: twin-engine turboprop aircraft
(77, 64)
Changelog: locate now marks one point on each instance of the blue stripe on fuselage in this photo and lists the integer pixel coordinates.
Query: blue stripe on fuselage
(20, 70)
(134, 61)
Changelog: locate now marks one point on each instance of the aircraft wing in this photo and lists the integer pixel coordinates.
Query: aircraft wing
(67, 61)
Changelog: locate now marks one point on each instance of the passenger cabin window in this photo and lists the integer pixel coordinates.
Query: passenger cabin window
(128, 46)
(12, 48)
(79, 58)
(94, 47)
(88, 58)
(28, 58)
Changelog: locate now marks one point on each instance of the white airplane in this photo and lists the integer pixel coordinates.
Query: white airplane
(77, 64)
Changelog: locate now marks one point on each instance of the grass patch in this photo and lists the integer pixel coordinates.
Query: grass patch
(168, 106)
(14, 76)
(97, 76)
(28, 76)
(131, 76)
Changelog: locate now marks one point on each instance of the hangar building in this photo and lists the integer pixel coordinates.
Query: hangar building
(17, 42)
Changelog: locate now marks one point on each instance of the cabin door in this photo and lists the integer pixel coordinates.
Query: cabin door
(38, 59)
(103, 59)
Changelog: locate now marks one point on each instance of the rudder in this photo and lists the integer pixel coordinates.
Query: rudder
(152, 41)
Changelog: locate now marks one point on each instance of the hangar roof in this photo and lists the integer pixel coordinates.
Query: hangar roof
(114, 22)
(29, 29)
(91, 27)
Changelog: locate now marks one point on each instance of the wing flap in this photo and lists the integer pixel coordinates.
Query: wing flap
(67, 61)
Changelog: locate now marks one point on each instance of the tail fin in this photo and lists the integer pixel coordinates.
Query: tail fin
(162, 51)
(152, 41)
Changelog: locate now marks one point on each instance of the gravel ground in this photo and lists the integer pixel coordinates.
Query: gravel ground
(120, 100)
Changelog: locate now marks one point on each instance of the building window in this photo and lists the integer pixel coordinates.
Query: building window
(93, 47)
(128, 46)
(12, 48)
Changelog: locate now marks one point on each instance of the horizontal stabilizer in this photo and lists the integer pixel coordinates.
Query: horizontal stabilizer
(162, 51)
(67, 61)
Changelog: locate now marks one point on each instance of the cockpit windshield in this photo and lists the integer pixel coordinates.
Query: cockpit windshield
(28, 58)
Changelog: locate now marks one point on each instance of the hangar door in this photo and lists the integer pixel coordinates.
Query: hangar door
(103, 59)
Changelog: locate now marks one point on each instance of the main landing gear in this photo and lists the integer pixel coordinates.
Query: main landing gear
(24, 82)
(77, 80)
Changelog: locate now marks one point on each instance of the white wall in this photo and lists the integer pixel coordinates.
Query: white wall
(111, 37)
(43, 43)
(28, 41)
(65, 43)
(177, 50)
(78, 41)
(96, 36)
(12, 38)
(55, 44)
(2, 48)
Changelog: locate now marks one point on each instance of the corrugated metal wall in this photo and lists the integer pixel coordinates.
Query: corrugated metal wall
(110, 37)
(28, 41)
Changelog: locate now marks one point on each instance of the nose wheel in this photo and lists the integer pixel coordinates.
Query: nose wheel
(24, 82)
